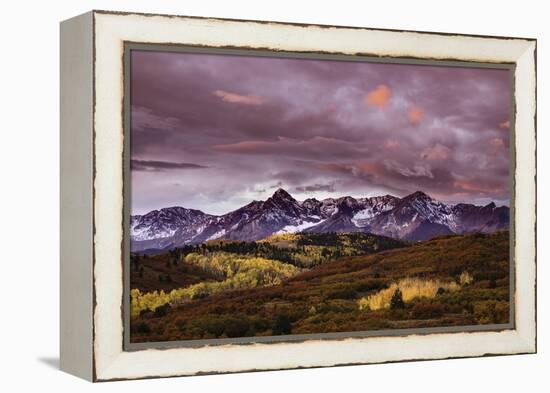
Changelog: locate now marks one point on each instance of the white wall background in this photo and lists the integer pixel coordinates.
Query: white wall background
(29, 194)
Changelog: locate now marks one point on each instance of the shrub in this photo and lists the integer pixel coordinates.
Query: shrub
(161, 311)
(342, 293)
(180, 323)
(490, 275)
(398, 314)
(236, 327)
(214, 326)
(143, 327)
(261, 324)
(492, 311)
(425, 310)
(282, 325)
(371, 285)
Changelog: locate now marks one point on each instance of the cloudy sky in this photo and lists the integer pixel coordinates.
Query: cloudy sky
(214, 132)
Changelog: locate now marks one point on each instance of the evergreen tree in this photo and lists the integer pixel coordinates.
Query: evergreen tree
(397, 300)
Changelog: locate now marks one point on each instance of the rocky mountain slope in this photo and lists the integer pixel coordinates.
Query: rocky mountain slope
(414, 217)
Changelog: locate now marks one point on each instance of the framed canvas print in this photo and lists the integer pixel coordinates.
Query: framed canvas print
(245, 195)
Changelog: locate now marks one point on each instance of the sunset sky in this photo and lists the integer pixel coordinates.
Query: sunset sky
(214, 132)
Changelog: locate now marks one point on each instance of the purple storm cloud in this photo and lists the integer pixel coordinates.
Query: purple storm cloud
(214, 132)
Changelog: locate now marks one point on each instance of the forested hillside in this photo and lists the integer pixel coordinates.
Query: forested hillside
(452, 280)
(175, 269)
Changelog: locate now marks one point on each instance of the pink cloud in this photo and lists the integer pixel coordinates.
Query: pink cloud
(378, 97)
(437, 152)
(370, 167)
(391, 144)
(416, 114)
(505, 124)
(235, 98)
(496, 142)
(475, 186)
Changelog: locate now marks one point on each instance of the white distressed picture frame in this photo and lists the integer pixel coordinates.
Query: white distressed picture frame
(92, 143)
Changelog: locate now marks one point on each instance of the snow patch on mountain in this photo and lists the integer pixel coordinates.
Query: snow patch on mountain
(145, 233)
(437, 212)
(299, 227)
(362, 217)
(217, 235)
(374, 206)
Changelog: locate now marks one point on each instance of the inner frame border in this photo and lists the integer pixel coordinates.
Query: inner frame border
(129, 46)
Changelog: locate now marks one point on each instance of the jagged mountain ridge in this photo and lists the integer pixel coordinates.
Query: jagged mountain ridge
(414, 217)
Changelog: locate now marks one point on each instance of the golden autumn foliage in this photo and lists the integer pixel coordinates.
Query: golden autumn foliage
(466, 278)
(410, 288)
(239, 272)
(147, 301)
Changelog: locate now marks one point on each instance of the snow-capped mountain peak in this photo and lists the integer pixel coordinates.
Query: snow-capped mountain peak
(416, 217)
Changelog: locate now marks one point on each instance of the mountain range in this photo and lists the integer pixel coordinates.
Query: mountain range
(414, 217)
